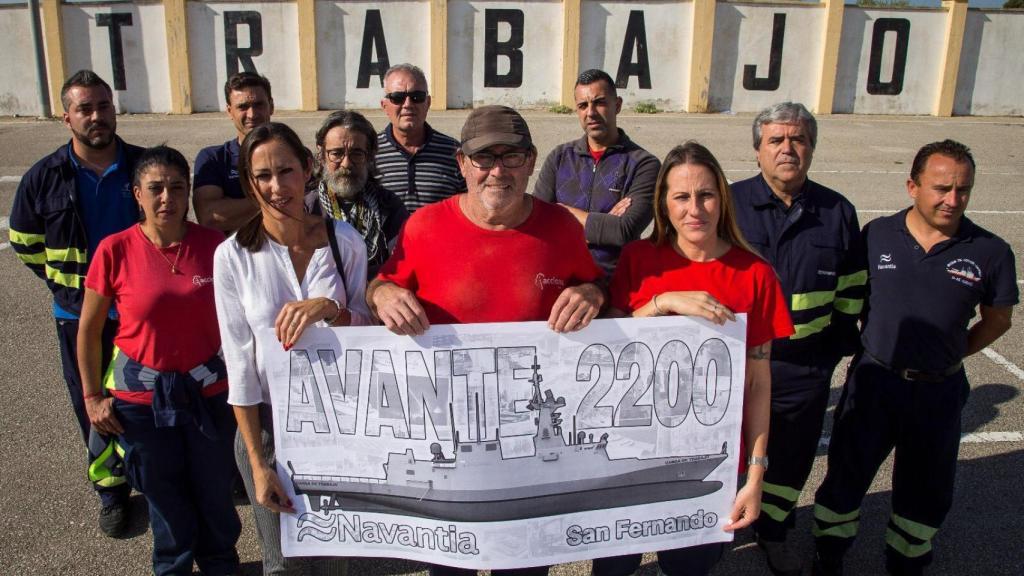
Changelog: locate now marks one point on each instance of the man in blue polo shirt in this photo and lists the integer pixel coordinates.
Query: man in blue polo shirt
(809, 233)
(414, 161)
(218, 198)
(930, 270)
(65, 204)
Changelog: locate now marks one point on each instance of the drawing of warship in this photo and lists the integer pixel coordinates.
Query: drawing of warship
(479, 485)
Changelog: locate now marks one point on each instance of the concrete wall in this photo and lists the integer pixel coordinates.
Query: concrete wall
(526, 59)
(526, 53)
(991, 76)
(18, 92)
(664, 29)
(920, 72)
(276, 43)
(749, 35)
(121, 41)
(342, 28)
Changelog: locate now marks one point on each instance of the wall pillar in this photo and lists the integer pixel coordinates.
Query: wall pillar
(956, 22)
(310, 97)
(438, 54)
(53, 40)
(700, 55)
(831, 36)
(570, 50)
(178, 63)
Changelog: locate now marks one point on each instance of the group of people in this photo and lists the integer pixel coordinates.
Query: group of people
(408, 227)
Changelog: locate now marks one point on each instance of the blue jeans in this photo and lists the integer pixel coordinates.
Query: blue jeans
(186, 478)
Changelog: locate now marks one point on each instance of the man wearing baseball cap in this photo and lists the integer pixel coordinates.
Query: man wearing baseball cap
(493, 253)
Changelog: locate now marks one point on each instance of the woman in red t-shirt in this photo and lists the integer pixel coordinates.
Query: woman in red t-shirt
(697, 263)
(164, 394)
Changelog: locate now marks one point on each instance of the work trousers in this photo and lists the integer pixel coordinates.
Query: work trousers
(104, 466)
(186, 478)
(878, 412)
(799, 399)
(268, 522)
(692, 561)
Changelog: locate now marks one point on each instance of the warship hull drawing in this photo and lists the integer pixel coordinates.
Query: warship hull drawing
(479, 485)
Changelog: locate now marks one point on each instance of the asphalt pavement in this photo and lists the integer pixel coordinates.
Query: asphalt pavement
(48, 513)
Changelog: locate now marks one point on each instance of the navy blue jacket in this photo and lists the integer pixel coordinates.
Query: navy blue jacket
(816, 249)
(46, 226)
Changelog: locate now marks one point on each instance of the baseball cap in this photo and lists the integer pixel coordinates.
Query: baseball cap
(492, 125)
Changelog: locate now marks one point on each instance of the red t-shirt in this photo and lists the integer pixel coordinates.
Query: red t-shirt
(739, 280)
(462, 273)
(168, 322)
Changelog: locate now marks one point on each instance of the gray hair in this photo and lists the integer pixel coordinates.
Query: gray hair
(414, 71)
(786, 113)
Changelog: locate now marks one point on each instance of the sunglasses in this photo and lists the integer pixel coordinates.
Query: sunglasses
(398, 98)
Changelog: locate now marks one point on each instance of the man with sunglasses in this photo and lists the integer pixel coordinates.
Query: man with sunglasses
(603, 178)
(414, 162)
(492, 254)
(218, 199)
(346, 145)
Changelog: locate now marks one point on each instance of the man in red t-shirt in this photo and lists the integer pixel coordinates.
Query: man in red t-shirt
(492, 254)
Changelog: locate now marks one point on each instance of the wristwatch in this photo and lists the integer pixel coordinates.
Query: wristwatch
(758, 461)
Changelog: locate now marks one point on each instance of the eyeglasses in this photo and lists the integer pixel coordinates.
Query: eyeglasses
(355, 155)
(486, 160)
(398, 98)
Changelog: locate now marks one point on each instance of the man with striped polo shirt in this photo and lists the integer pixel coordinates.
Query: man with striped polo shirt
(414, 161)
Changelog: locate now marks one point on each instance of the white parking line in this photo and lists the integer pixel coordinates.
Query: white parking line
(971, 438)
(14, 179)
(4, 224)
(1002, 361)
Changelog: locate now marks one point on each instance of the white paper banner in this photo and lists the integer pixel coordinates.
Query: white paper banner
(508, 445)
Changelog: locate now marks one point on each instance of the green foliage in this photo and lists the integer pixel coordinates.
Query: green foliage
(560, 109)
(1015, 4)
(646, 108)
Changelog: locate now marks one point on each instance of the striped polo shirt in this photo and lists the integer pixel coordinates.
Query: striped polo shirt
(429, 175)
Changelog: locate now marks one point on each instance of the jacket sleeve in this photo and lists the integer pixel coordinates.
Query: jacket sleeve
(607, 230)
(545, 185)
(851, 287)
(394, 212)
(27, 229)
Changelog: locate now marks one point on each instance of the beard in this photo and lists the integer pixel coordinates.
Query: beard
(346, 183)
(97, 141)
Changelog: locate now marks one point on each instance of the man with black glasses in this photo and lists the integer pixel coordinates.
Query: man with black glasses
(414, 162)
(346, 145)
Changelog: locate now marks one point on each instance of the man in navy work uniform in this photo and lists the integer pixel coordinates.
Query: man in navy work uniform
(218, 199)
(65, 204)
(603, 178)
(810, 235)
(930, 269)
(414, 161)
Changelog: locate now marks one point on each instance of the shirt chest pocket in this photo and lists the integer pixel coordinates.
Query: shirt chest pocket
(823, 255)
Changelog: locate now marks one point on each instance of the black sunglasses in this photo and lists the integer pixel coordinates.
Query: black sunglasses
(398, 98)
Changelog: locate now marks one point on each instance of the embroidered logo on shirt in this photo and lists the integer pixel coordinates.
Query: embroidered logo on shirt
(198, 280)
(885, 262)
(541, 281)
(964, 271)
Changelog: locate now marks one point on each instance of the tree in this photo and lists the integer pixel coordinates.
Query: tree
(890, 3)
(1017, 4)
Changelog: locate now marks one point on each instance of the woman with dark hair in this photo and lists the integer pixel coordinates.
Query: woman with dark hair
(285, 269)
(166, 382)
(697, 263)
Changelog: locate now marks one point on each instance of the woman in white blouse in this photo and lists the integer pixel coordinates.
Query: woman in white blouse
(279, 271)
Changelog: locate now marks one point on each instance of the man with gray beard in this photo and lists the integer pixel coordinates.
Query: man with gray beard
(346, 146)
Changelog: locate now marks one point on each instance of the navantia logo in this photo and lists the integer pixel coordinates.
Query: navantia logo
(885, 262)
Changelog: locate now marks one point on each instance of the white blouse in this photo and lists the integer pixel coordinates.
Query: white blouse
(251, 288)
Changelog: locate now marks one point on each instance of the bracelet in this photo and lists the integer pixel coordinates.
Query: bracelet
(92, 395)
(337, 305)
(657, 310)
